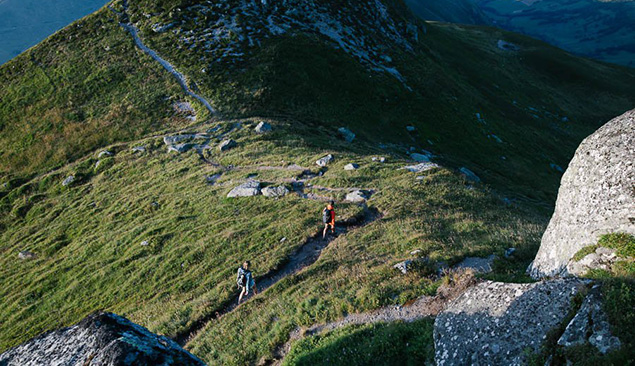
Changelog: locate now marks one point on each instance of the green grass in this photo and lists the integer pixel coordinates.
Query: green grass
(87, 237)
(623, 243)
(374, 344)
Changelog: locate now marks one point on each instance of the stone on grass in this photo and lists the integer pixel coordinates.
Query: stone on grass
(346, 134)
(139, 149)
(595, 197)
(357, 196)
(477, 264)
(421, 158)
(69, 180)
(145, 243)
(104, 339)
(24, 255)
(324, 161)
(420, 168)
(226, 145)
(410, 128)
(351, 166)
(509, 252)
(279, 191)
(495, 323)
(469, 175)
(590, 325)
(180, 148)
(247, 189)
(263, 127)
(404, 266)
(603, 258)
(104, 153)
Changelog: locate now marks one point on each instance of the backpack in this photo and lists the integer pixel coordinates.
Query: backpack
(326, 215)
(241, 279)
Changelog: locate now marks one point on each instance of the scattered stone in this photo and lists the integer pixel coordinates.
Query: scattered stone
(263, 127)
(69, 180)
(420, 177)
(145, 243)
(421, 158)
(351, 166)
(506, 46)
(139, 149)
(358, 196)
(180, 148)
(226, 145)
(469, 175)
(324, 161)
(410, 128)
(591, 325)
(247, 189)
(25, 255)
(211, 179)
(477, 264)
(415, 252)
(104, 339)
(403, 267)
(105, 153)
(509, 252)
(380, 159)
(494, 323)
(595, 197)
(420, 168)
(346, 134)
(283, 239)
(279, 191)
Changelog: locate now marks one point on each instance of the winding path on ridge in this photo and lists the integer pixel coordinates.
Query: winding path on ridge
(134, 32)
(307, 254)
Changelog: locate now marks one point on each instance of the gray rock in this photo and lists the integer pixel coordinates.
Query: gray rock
(139, 149)
(24, 255)
(595, 197)
(226, 145)
(263, 127)
(351, 166)
(420, 168)
(180, 148)
(145, 243)
(415, 252)
(509, 252)
(591, 325)
(324, 161)
(69, 180)
(421, 158)
(247, 189)
(506, 46)
(103, 339)
(279, 191)
(380, 159)
(479, 265)
(494, 323)
(403, 266)
(346, 134)
(410, 128)
(358, 196)
(469, 175)
(104, 153)
(602, 258)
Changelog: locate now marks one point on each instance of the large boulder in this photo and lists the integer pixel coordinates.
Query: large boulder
(275, 192)
(495, 323)
(103, 339)
(596, 197)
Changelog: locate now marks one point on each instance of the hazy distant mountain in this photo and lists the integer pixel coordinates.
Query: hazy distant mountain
(603, 30)
(24, 23)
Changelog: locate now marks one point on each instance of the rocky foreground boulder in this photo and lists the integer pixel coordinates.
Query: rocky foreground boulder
(495, 323)
(596, 197)
(103, 339)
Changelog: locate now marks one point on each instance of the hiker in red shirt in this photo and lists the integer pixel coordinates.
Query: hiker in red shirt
(328, 218)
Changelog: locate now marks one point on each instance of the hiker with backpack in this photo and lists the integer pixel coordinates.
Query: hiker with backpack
(328, 218)
(245, 281)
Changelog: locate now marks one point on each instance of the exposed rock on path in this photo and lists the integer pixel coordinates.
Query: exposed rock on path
(103, 339)
(494, 323)
(596, 196)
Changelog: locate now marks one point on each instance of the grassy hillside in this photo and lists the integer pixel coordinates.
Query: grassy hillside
(152, 236)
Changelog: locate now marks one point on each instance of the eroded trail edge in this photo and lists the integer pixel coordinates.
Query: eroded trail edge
(134, 32)
(307, 254)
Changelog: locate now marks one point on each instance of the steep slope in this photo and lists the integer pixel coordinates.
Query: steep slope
(510, 115)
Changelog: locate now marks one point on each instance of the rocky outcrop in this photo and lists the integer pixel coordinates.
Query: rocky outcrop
(275, 192)
(227, 145)
(602, 258)
(496, 323)
(420, 168)
(247, 189)
(263, 127)
(103, 339)
(324, 161)
(596, 197)
(358, 196)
